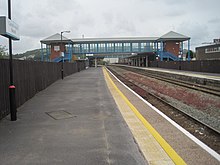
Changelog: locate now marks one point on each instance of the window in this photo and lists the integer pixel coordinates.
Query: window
(118, 47)
(101, 47)
(127, 47)
(110, 47)
(76, 48)
(93, 48)
(85, 48)
(135, 47)
(212, 50)
(143, 47)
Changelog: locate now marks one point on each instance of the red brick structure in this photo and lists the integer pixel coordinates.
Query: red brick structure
(172, 47)
(54, 48)
(55, 52)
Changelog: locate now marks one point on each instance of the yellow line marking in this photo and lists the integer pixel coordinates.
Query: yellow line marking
(167, 148)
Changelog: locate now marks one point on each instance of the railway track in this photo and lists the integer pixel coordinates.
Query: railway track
(203, 88)
(202, 131)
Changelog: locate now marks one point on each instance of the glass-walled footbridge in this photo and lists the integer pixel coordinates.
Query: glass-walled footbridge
(112, 47)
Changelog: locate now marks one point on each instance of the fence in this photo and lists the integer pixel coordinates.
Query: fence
(211, 66)
(30, 77)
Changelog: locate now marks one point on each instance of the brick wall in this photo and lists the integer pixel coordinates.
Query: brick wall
(172, 47)
(55, 54)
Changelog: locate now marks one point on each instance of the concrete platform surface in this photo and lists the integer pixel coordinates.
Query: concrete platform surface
(211, 76)
(74, 121)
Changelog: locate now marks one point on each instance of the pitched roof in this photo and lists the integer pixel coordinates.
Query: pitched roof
(121, 39)
(170, 36)
(173, 36)
(55, 38)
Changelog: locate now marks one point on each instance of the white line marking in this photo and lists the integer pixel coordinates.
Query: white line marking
(193, 138)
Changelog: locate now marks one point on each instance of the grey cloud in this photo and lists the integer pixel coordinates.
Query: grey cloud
(175, 2)
(198, 32)
(175, 12)
(125, 27)
(3, 8)
(215, 20)
(62, 6)
(97, 18)
(108, 17)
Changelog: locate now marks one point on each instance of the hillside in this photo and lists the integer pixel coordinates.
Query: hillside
(29, 55)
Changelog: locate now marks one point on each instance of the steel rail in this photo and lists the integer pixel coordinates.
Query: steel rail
(173, 107)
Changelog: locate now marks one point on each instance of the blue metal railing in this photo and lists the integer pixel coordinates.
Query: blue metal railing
(66, 58)
(168, 56)
(58, 59)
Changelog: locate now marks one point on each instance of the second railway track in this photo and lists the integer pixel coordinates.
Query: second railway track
(203, 88)
(201, 130)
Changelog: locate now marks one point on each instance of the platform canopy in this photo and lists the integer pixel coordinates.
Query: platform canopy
(173, 36)
(56, 38)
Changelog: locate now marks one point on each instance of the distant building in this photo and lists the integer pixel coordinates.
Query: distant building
(209, 52)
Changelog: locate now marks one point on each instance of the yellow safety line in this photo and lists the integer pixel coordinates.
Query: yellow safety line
(167, 148)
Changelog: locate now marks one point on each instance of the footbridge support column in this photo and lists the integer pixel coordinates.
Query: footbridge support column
(95, 62)
(146, 61)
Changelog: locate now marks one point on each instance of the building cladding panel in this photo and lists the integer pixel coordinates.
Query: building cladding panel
(209, 52)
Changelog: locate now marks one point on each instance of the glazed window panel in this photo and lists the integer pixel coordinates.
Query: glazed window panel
(101, 47)
(118, 47)
(76, 48)
(110, 47)
(127, 47)
(135, 47)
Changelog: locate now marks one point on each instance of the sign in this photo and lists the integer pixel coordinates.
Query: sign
(89, 55)
(9, 28)
(56, 48)
(217, 41)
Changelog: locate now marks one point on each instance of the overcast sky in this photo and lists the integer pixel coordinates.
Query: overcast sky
(39, 19)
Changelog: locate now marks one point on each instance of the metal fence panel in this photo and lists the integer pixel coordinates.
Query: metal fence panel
(30, 77)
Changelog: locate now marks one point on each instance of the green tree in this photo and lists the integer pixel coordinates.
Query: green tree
(2, 51)
(191, 54)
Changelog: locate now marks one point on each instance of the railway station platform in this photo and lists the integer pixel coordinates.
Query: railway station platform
(203, 78)
(91, 118)
(208, 76)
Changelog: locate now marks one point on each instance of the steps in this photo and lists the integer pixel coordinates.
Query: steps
(169, 56)
(59, 59)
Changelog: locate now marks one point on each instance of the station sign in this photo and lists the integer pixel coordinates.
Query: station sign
(89, 55)
(217, 41)
(9, 28)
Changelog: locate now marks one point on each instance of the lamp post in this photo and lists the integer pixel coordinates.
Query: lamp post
(13, 109)
(62, 53)
(83, 47)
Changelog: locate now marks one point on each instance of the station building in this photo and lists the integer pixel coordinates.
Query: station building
(209, 52)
